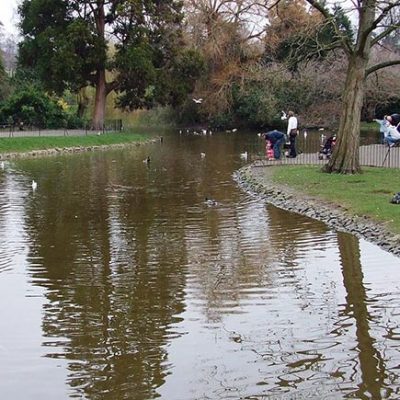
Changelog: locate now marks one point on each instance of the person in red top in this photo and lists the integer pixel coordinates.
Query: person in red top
(276, 139)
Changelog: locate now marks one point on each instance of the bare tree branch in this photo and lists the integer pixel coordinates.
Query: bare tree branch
(384, 13)
(347, 46)
(379, 66)
(384, 33)
(318, 6)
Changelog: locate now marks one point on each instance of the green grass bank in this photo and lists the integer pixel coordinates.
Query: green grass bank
(26, 144)
(367, 194)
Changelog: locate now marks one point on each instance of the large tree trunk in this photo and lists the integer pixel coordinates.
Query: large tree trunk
(83, 102)
(100, 101)
(345, 158)
(101, 86)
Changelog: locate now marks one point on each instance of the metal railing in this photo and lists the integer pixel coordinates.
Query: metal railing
(309, 148)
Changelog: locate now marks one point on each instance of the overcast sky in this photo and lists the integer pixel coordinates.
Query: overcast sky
(8, 15)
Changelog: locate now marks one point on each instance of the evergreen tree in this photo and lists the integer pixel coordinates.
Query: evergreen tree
(122, 45)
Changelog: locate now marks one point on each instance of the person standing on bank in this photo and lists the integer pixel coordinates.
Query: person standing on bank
(292, 133)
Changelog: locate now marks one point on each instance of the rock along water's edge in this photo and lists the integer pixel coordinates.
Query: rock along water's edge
(333, 216)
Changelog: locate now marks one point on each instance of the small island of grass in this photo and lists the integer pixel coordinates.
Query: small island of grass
(31, 143)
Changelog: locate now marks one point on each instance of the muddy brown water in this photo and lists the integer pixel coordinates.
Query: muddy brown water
(117, 281)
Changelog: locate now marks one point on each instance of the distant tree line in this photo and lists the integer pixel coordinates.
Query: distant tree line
(246, 59)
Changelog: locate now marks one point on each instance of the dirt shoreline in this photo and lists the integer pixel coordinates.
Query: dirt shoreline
(257, 180)
(72, 150)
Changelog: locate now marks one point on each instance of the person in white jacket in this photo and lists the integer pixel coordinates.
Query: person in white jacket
(392, 136)
(292, 133)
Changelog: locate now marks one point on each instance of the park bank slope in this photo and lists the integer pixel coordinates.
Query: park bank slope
(9, 155)
(258, 181)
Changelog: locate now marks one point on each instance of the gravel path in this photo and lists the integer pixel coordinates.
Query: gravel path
(46, 132)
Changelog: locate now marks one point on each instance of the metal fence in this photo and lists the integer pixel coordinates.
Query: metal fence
(310, 150)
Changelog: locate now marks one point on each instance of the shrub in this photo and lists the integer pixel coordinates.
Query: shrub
(32, 106)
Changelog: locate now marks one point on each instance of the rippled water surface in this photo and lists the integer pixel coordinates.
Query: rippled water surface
(118, 281)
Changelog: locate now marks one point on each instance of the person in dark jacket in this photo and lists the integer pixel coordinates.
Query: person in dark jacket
(292, 132)
(277, 139)
(394, 120)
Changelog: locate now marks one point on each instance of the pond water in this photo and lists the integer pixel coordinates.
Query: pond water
(118, 281)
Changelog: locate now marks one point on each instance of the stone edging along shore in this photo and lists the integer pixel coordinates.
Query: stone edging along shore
(70, 150)
(255, 180)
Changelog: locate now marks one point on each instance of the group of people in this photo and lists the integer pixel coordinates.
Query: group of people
(275, 139)
(390, 129)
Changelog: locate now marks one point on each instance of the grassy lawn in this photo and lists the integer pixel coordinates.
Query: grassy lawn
(369, 126)
(21, 144)
(367, 194)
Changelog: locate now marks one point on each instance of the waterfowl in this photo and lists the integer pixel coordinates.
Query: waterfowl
(210, 202)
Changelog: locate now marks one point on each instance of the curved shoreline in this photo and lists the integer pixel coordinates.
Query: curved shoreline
(72, 149)
(332, 215)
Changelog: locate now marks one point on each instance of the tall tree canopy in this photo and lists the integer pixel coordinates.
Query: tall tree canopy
(296, 33)
(132, 47)
(226, 33)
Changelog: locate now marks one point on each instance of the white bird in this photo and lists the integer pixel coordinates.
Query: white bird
(203, 155)
(321, 129)
(34, 185)
(259, 134)
(197, 101)
(305, 133)
(2, 165)
(284, 116)
(204, 131)
(243, 156)
(234, 130)
(210, 202)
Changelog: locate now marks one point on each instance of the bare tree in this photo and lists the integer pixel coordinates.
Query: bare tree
(8, 48)
(383, 86)
(227, 33)
(376, 19)
(249, 14)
